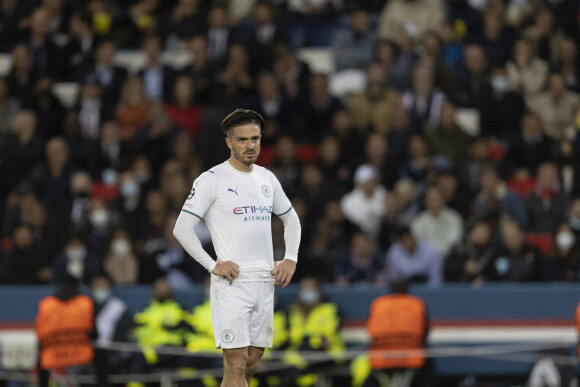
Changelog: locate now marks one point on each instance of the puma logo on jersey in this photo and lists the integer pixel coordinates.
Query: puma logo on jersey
(234, 191)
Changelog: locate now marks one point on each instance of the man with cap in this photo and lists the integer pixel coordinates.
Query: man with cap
(364, 205)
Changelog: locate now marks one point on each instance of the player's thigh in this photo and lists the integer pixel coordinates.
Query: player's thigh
(231, 307)
(262, 326)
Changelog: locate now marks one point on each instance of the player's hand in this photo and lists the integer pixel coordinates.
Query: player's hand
(283, 271)
(227, 269)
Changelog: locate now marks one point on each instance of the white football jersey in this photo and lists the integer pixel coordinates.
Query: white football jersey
(237, 208)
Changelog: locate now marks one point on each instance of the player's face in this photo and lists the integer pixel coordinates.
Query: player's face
(244, 142)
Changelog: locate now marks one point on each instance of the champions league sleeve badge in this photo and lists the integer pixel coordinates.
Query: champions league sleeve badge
(227, 335)
(266, 191)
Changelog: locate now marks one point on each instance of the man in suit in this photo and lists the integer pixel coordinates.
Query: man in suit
(158, 79)
(264, 36)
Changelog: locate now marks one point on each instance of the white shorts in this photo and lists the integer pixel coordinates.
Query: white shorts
(242, 314)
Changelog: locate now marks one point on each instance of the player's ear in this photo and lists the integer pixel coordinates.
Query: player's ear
(229, 142)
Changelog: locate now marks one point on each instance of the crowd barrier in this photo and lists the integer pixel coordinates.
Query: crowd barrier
(495, 329)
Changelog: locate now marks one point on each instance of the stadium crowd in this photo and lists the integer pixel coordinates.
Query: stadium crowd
(389, 182)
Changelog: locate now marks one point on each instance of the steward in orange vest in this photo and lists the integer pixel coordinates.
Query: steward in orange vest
(64, 326)
(397, 322)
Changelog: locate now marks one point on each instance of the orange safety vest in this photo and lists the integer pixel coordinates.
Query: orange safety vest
(63, 329)
(397, 322)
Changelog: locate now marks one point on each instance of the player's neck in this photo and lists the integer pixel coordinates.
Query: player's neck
(239, 165)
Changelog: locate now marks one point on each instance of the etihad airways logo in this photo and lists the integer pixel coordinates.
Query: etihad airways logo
(253, 213)
(253, 210)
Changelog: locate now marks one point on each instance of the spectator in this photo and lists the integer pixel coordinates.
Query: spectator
(438, 223)
(24, 265)
(22, 76)
(286, 164)
(470, 169)
(182, 21)
(9, 107)
(78, 51)
(158, 79)
(219, 37)
(528, 150)
(373, 108)
(563, 259)
(455, 198)
(48, 108)
(352, 47)
(417, 15)
(235, 81)
(110, 152)
(271, 104)
(332, 162)
(496, 38)
(574, 217)
(264, 36)
(401, 207)
(75, 261)
(51, 179)
(514, 260)
(413, 260)
(12, 14)
(568, 64)
(467, 260)
(113, 323)
(568, 168)
(200, 68)
(132, 112)
(120, 262)
(45, 54)
(545, 36)
(90, 109)
(448, 139)
(547, 205)
(110, 76)
(364, 205)
(185, 112)
(423, 101)
(314, 189)
(361, 264)
(418, 164)
(557, 108)
(350, 139)
(25, 146)
(315, 112)
(527, 74)
(496, 200)
(472, 81)
(501, 108)
(292, 73)
(378, 154)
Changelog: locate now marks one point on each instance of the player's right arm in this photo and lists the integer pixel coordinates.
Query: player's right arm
(197, 204)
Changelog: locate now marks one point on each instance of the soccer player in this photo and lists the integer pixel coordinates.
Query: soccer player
(237, 200)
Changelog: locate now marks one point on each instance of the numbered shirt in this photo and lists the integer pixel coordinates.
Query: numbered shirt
(238, 207)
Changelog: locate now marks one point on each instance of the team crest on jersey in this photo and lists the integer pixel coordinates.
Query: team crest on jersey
(227, 335)
(266, 191)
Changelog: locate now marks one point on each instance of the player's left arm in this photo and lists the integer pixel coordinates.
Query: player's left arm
(284, 270)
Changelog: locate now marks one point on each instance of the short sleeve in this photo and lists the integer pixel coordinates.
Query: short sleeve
(201, 196)
(281, 204)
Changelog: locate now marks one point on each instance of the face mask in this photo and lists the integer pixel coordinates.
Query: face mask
(574, 223)
(308, 297)
(565, 240)
(109, 177)
(500, 84)
(76, 253)
(101, 295)
(99, 218)
(502, 265)
(121, 247)
(130, 189)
